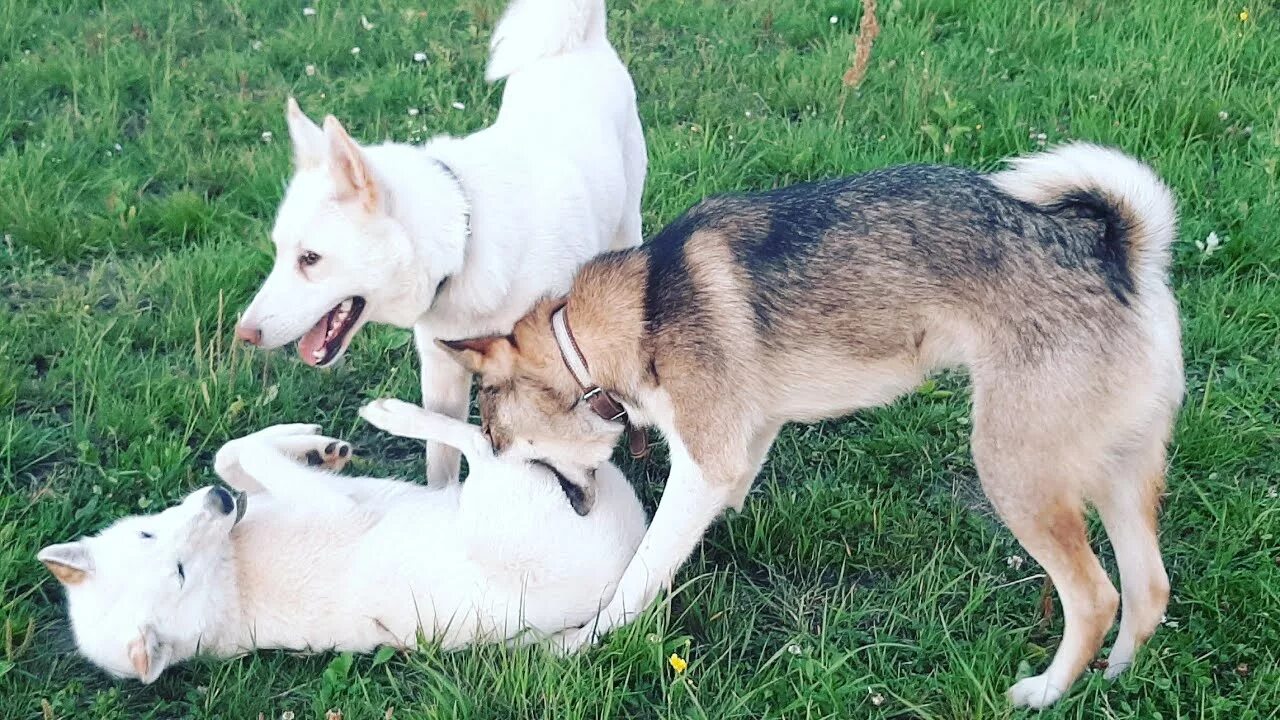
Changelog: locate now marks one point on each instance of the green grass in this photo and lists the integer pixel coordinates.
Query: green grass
(866, 576)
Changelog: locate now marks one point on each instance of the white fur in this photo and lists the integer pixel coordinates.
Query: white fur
(321, 561)
(556, 180)
(1147, 203)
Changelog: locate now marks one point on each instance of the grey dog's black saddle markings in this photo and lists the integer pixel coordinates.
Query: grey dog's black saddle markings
(938, 225)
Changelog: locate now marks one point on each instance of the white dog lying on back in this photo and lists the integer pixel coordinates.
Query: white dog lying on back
(306, 559)
(459, 237)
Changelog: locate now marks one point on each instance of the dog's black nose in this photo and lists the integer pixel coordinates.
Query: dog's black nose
(221, 501)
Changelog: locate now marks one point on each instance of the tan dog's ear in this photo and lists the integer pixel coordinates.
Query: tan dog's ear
(347, 164)
(308, 138)
(148, 655)
(489, 355)
(69, 562)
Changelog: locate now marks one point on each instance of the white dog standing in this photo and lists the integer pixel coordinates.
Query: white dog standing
(459, 237)
(310, 560)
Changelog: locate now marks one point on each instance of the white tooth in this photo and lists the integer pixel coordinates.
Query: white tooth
(346, 305)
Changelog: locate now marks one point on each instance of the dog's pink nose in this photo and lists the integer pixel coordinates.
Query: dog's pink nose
(251, 335)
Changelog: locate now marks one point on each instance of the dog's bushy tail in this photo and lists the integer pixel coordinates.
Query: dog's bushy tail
(534, 29)
(1138, 205)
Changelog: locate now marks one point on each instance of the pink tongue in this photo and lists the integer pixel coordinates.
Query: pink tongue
(313, 341)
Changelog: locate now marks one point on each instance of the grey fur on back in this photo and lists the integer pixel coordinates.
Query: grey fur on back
(868, 260)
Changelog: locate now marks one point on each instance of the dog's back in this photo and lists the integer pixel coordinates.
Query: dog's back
(916, 267)
(568, 102)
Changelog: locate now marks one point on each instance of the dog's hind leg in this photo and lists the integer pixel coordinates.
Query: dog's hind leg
(1128, 506)
(1032, 476)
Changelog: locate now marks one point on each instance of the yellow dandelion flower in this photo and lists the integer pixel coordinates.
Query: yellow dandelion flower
(677, 663)
(1244, 15)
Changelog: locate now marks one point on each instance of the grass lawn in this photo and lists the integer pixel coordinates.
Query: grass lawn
(143, 153)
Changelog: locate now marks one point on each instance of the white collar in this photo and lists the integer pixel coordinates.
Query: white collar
(569, 349)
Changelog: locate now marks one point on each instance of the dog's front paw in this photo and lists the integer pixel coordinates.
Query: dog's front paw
(394, 416)
(315, 450)
(1034, 692)
(334, 454)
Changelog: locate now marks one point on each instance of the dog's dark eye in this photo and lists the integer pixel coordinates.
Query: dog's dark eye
(308, 258)
(145, 535)
(182, 574)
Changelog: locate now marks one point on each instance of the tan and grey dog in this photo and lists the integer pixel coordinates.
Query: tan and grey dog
(1046, 281)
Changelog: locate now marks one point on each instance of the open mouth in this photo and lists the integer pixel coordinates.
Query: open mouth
(324, 342)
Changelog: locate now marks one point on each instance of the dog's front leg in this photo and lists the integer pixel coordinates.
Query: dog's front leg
(226, 463)
(446, 389)
(690, 503)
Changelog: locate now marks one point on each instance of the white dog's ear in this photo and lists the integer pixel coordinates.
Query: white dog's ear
(69, 562)
(148, 655)
(489, 355)
(308, 138)
(350, 172)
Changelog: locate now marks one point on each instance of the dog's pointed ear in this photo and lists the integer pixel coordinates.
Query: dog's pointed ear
(148, 655)
(69, 562)
(351, 174)
(308, 138)
(488, 355)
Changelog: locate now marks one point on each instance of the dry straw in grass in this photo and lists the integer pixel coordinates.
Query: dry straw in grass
(868, 29)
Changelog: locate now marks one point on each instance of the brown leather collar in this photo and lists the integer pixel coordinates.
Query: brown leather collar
(601, 402)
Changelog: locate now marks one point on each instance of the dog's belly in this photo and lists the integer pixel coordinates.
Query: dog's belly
(830, 388)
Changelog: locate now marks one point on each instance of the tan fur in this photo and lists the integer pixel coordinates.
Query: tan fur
(65, 574)
(139, 657)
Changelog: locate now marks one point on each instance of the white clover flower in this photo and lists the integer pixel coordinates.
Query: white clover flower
(1210, 244)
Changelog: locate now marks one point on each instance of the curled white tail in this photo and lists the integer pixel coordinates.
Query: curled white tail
(1142, 201)
(534, 29)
